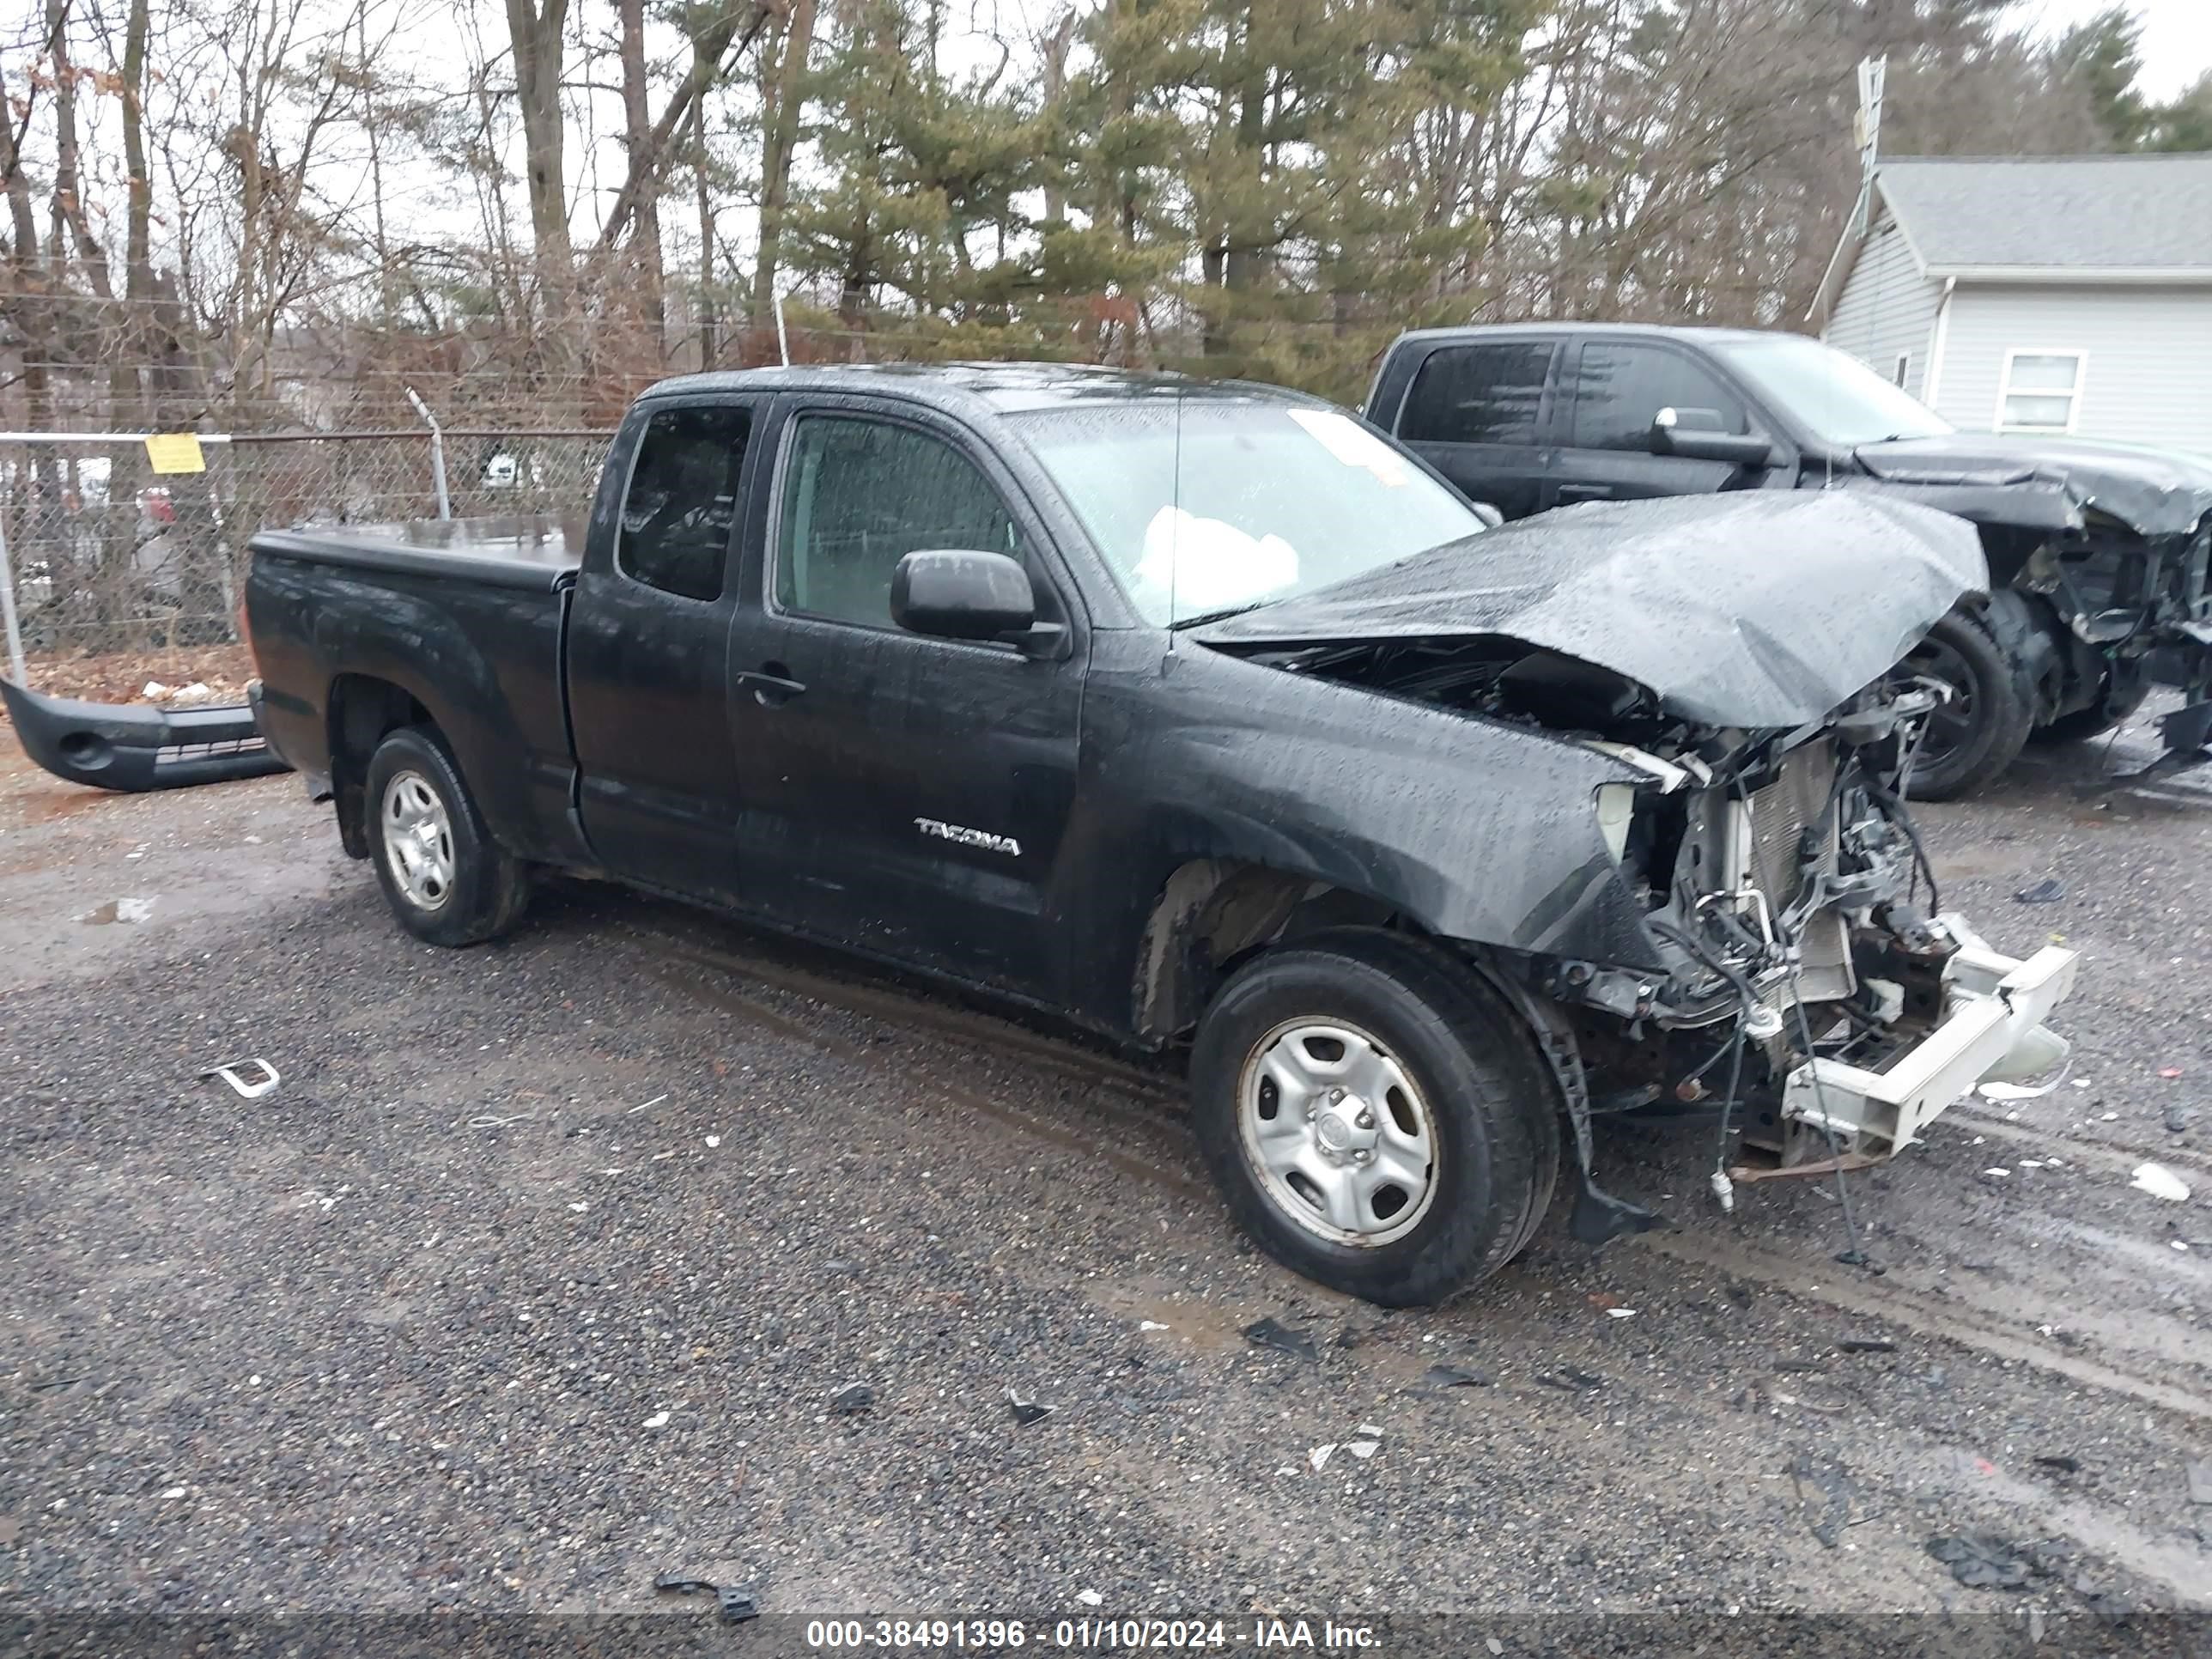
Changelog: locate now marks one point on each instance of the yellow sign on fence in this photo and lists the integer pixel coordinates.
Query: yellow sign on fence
(175, 452)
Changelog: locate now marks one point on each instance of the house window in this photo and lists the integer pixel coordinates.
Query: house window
(2041, 391)
(1904, 368)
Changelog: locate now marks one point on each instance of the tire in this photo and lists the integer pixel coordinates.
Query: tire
(2093, 721)
(1982, 730)
(1402, 1019)
(444, 878)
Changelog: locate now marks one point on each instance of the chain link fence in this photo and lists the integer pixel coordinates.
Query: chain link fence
(104, 555)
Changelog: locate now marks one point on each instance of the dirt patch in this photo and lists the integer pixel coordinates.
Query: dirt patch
(122, 676)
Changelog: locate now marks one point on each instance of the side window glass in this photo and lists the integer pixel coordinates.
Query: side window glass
(1480, 394)
(683, 501)
(858, 496)
(1621, 387)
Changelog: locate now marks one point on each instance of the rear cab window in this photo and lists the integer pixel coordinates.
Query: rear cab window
(1489, 393)
(682, 502)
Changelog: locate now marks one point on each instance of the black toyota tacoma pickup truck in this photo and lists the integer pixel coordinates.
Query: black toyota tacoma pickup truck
(2097, 552)
(1203, 715)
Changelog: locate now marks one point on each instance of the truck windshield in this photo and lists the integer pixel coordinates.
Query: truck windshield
(1205, 505)
(1838, 398)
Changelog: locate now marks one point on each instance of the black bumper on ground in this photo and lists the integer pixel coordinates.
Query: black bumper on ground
(131, 747)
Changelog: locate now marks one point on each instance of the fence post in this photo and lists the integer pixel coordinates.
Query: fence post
(437, 451)
(7, 609)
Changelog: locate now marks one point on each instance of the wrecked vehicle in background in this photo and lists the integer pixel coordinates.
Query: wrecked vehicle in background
(1205, 718)
(2097, 552)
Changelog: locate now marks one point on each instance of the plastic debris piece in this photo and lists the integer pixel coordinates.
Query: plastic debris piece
(658, 1420)
(736, 1603)
(683, 1583)
(1267, 1334)
(1724, 1190)
(1373, 1431)
(1027, 1412)
(1317, 1459)
(1620, 1313)
(1363, 1449)
(1493, 1644)
(1997, 1171)
(1980, 1563)
(154, 689)
(232, 1072)
(714, 1141)
(1572, 1378)
(1996, 1089)
(2200, 1482)
(1150, 1325)
(580, 1205)
(1089, 1598)
(196, 692)
(2049, 891)
(2169, 1071)
(1834, 1487)
(2160, 1182)
(1456, 1376)
(1866, 1345)
(2059, 1461)
(854, 1399)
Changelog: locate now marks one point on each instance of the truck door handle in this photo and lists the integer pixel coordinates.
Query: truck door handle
(770, 683)
(1584, 492)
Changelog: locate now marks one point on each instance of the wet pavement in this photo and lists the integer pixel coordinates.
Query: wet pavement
(539, 1272)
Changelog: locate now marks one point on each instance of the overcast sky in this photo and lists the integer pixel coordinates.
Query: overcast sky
(2176, 36)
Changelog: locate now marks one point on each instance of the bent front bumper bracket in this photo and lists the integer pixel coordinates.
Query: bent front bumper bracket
(1994, 1007)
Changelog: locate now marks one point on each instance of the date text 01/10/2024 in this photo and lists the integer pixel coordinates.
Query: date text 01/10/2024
(1088, 1633)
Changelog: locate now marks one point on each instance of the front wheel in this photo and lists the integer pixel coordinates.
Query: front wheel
(1377, 1118)
(445, 879)
(1981, 731)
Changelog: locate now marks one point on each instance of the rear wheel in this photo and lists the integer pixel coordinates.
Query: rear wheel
(1980, 732)
(445, 879)
(1377, 1118)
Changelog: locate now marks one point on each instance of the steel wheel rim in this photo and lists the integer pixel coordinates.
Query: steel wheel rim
(418, 841)
(1340, 1137)
(1949, 726)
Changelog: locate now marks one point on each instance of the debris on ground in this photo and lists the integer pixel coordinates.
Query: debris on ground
(1981, 1563)
(121, 909)
(1089, 1598)
(1997, 1089)
(853, 1399)
(1317, 1459)
(737, 1603)
(658, 1420)
(2160, 1182)
(2169, 1072)
(1866, 1345)
(1027, 1412)
(1456, 1376)
(2061, 1462)
(2200, 1482)
(1620, 1313)
(1835, 1489)
(1150, 1325)
(1572, 1378)
(233, 1071)
(1267, 1334)
(2049, 891)
(2178, 1120)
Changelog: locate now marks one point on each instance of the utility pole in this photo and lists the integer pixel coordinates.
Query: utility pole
(1865, 131)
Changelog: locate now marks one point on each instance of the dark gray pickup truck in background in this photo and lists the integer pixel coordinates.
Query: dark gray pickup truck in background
(2097, 552)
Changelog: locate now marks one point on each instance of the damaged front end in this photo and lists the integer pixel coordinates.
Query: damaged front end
(2101, 567)
(1786, 970)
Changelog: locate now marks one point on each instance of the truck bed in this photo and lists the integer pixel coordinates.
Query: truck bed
(539, 553)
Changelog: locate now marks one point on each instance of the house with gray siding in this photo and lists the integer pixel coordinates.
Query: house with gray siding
(2036, 294)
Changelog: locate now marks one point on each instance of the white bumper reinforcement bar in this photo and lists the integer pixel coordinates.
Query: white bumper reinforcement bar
(1994, 1007)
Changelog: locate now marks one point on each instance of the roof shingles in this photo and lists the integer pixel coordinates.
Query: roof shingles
(2065, 213)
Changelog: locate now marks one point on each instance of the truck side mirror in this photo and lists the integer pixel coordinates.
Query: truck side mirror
(962, 593)
(1700, 435)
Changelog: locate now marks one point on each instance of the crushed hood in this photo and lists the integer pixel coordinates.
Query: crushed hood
(1762, 609)
(2049, 482)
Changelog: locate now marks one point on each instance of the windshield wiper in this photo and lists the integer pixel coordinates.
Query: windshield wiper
(1222, 615)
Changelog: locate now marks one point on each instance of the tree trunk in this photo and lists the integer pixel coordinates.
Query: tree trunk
(535, 31)
(637, 135)
(779, 139)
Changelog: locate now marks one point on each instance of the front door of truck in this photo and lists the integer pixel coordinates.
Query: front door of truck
(1615, 387)
(648, 642)
(904, 795)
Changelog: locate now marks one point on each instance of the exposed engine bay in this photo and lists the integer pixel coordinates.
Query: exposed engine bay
(1780, 875)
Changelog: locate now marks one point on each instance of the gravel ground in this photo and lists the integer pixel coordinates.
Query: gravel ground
(538, 1273)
